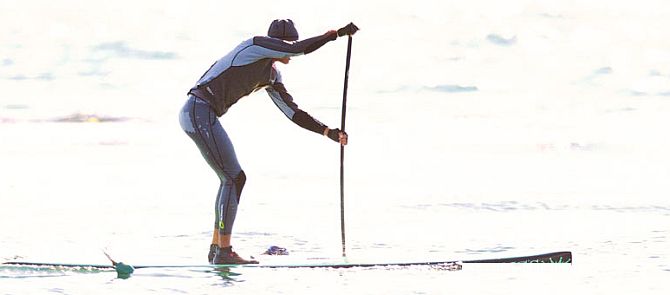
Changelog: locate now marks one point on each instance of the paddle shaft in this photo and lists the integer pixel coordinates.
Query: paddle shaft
(343, 121)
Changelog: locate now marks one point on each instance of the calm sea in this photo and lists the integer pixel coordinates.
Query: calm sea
(478, 129)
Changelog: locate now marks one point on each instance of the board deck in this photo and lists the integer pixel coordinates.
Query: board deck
(554, 257)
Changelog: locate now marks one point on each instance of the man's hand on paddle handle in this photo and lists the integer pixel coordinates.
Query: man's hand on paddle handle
(349, 29)
(336, 135)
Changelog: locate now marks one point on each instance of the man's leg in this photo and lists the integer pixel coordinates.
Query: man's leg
(201, 124)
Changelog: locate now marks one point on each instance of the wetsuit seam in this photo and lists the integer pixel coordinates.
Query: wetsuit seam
(219, 162)
(193, 121)
(232, 60)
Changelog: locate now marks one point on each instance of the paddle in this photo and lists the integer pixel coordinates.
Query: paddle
(344, 116)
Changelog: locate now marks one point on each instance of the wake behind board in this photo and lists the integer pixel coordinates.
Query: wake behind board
(554, 257)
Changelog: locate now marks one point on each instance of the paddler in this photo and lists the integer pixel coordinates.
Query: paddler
(247, 68)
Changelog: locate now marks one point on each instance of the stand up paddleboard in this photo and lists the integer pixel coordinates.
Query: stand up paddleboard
(125, 269)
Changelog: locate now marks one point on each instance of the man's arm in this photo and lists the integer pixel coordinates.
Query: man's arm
(276, 48)
(261, 47)
(284, 102)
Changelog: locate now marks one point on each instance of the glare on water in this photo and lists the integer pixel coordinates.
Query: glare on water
(477, 129)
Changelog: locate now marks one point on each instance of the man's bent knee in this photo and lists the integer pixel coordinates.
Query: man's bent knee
(239, 183)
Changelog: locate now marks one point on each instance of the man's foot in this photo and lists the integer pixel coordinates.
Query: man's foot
(226, 255)
(212, 251)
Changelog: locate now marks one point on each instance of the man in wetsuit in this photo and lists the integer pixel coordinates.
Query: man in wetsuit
(247, 68)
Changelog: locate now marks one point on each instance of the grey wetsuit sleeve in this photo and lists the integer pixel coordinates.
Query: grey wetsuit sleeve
(285, 103)
(276, 48)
